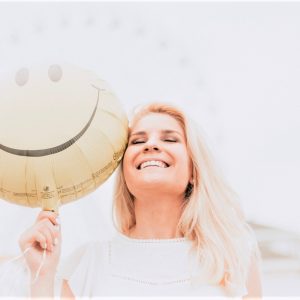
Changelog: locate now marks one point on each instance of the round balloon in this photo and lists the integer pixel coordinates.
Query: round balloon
(62, 133)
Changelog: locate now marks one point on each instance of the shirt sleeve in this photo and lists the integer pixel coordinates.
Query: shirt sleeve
(77, 269)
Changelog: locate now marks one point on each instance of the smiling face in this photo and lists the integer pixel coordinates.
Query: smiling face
(47, 110)
(62, 133)
(157, 156)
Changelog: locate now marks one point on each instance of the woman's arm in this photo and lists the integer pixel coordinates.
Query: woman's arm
(43, 286)
(253, 283)
(66, 292)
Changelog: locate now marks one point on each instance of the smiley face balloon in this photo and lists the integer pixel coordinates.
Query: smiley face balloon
(62, 133)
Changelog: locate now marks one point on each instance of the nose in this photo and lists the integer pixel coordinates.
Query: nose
(150, 146)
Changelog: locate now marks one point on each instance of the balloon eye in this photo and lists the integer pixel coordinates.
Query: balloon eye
(55, 73)
(22, 77)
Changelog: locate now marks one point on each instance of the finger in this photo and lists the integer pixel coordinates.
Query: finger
(52, 216)
(51, 231)
(55, 230)
(49, 226)
(44, 213)
(40, 238)
(57, 240)
(47, 234)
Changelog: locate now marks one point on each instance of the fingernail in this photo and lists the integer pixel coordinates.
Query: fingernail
(45, 246)
(56, 227)
(55, 241)
(57, 220)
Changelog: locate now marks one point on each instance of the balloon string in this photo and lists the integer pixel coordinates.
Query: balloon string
(19, 256)
(39, 268)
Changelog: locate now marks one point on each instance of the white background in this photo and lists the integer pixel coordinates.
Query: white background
(234, 67)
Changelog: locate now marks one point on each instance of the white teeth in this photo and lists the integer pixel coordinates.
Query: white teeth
(153, 163)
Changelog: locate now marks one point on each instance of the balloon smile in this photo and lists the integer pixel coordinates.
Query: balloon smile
(56, 149)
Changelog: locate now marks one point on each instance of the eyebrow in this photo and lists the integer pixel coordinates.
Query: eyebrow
(166, 131)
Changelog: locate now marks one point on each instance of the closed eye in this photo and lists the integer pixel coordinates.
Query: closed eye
(134, 142)
(137, 142)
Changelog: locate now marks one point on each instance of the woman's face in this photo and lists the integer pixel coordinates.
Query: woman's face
(156, 156)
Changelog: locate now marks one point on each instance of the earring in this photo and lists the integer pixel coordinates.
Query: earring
(188, 190)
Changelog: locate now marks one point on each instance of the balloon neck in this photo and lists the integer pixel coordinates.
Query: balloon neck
(51, 204)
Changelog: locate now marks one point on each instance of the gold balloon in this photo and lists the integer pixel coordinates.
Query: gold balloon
(62, 133)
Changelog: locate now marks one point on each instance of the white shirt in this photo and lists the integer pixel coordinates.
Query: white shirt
(128, 267)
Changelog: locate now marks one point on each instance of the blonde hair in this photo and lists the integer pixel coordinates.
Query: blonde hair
(211, 218)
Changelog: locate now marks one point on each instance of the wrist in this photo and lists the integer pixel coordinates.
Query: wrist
(42, 278)
(43, 286)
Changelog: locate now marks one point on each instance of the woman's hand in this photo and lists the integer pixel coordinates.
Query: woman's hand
(44, 234)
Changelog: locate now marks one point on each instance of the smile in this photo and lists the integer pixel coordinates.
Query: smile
(152, 163)
(56, 149)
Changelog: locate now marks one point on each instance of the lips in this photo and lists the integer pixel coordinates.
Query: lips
(152, 163)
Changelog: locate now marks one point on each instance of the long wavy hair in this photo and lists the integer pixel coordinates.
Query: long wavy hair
(211, 217)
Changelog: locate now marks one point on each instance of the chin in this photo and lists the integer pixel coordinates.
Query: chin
(161, 183)
(153, 182)
(154, 178)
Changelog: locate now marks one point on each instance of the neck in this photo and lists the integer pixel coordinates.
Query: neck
(156, 217)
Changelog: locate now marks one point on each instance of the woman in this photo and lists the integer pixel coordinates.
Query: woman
(179, 229)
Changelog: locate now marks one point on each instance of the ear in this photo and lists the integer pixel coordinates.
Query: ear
(191, 181)
(188, 190)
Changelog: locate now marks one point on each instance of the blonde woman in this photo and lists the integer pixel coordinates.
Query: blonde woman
(180, 231)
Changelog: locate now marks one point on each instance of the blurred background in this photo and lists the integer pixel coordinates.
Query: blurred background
(233, 66)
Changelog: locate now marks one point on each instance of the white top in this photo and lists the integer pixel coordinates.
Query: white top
(135, 267)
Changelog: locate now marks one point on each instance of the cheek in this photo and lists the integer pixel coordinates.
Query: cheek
(186, 163)
(127, 154)
(127, 162)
